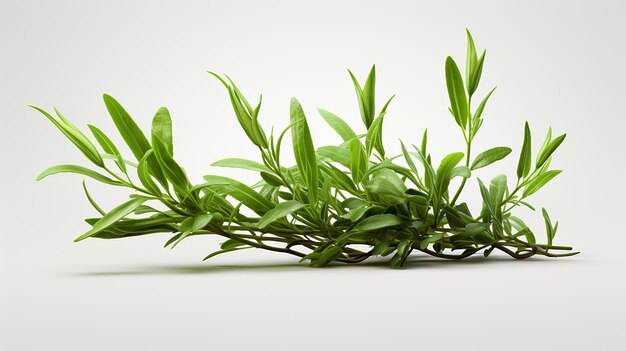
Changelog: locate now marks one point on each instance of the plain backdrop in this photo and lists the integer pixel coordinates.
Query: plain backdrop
(556, 63)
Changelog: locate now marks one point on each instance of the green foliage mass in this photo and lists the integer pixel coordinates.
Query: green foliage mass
(342, 203)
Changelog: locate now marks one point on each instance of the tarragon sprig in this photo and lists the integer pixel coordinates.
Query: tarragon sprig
(343, 203)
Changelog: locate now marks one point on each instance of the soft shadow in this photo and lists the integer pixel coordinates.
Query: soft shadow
(375, 263)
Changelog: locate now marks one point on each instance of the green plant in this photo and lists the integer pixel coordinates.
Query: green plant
(336, 200)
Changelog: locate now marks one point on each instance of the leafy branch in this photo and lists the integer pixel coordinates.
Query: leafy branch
(344, 203)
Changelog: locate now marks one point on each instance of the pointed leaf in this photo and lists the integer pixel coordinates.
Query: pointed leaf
(74, 135)
(546, 152)
(490, 156)
(456, 93)
(132, 135)
(162, 127)
(444, 171)
(113, 216)
(242, 164)
(539, 181)
(281, 210)
(243, 193)
(523, 166)
(174, 173)
(339, 125)
(78, 170)
(108, 146)
(304, 151)
(379, 221)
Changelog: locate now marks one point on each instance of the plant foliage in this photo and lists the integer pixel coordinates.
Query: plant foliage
(344, 203)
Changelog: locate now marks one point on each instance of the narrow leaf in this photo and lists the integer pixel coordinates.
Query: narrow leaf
(523, 166)
(339, 125)
(174, 173)
(108, 146)
(242, 164)
(444, 172)
(132, 135)
(78, 170)
(281, 210)
(545, 153)
(162, 127)
(113, 216)
(456, 93)
(490, 156)
(378, 222)
(539, 181)
(74, 135)
(304, 151)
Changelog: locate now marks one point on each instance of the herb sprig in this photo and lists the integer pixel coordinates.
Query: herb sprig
(337, 199)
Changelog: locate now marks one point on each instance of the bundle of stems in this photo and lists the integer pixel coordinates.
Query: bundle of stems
(341, 203)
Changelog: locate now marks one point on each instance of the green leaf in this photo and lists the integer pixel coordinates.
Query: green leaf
(271, 179)
(258, 131)
(196, 223)
(497, 189)
(369, 94)
(471, 60)
(340, 179)
(339, 125)
(174, 173)
(481, 107)
(402, 252)
(386, 187)
(366, 96)
(219, 252)
(476, 228)
(253, 200)
(380, 248)
(484, 193)
(379, 221)
(78, 170)
(374, 137)
(144, 175)
(444, 172)
(356, 213)
(303, 149)
(201, 221)
(456, 93)
(91, 200)
(113, 216)
(108, 146)
(424, 142)
(358, 160)
(281, 210)
(550, 232)
(339, 154)
(456, 217)
(460, 171)
(407, 158)
(132, 135)
(74, 135)
(539, 181)
(242, 164)
(162, 127)
(326, 256)
(475, 79)
(523, 166)
(490, 156)
(430, 240)
(546, 152)
(231, 244)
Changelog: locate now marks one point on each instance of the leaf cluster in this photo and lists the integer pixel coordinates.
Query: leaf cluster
(344, 202)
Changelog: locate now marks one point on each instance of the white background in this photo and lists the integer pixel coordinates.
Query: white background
(556, 63)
